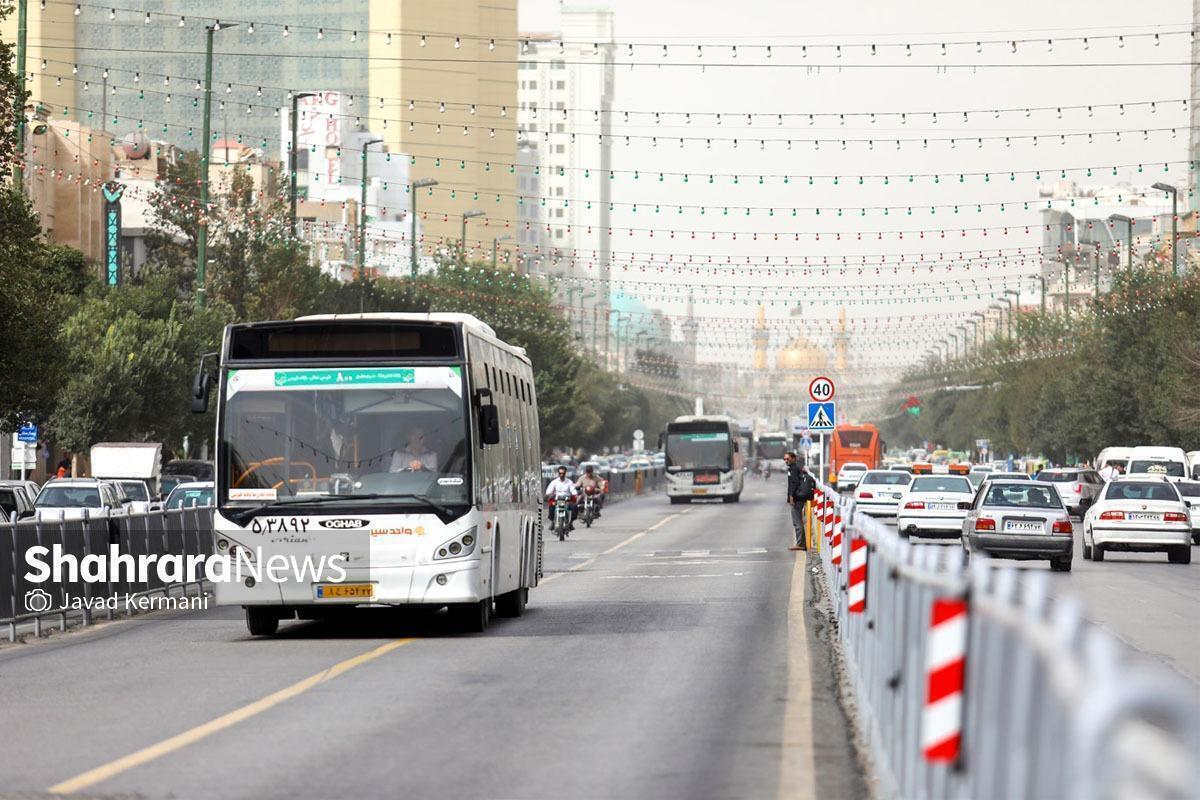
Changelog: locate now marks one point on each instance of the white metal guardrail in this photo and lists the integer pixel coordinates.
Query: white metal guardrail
(970, 684)
(184, 531)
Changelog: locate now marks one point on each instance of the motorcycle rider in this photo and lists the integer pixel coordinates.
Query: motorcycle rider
(589, 481)
(564, 485)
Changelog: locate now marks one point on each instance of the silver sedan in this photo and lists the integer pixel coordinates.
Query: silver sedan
(1020, 519)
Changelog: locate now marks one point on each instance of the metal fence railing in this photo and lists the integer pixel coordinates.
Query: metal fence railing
(185, 531)
(969, 683)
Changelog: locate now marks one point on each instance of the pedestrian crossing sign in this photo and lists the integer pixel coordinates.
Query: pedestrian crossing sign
(821, 416)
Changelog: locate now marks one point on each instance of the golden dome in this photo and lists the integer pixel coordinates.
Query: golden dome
(801, 354)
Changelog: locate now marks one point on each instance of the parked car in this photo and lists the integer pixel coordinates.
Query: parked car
(200, 470)
(168, 482)
(29, 488)
(1077, 487)
(1139, 514)
(14, 503)
(141, 499)
(187, 495)
(1020, 519)
(934, 505)
(70, 496)
(878, 493)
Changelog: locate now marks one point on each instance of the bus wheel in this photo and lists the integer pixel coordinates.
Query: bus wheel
(731, 498)
(677, 500)
(512, 604)
(262, 620)
(471, 617)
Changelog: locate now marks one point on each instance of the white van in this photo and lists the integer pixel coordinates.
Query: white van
(1193, 458)
(1170, 462)
(1116, 455)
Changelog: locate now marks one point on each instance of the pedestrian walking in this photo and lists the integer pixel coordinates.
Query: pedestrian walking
(800, 490)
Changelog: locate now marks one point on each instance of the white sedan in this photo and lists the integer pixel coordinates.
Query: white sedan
(1191, 497)
(934, 506)
(1139, 514)
(878, 493)
(849, 475)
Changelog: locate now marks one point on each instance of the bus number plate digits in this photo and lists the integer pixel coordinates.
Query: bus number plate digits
(344, 590)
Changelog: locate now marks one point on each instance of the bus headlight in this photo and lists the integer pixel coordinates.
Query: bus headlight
(459, 546)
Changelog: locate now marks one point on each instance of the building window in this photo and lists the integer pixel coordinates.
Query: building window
(558, 191)
(558, 234)
(533, 84)
(558, 148)
(558, 65)
(560, 84)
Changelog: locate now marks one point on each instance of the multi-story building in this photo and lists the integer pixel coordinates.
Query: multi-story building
(565, 89)
(67, 166)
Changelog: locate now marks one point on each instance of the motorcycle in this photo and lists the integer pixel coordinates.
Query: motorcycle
(561, 507)
(589, 512)
(766, 470)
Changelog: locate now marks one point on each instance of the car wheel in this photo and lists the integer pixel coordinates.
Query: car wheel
(1061, 564)
(262, 620)
(1196, 538)
(1097, 552)
(1180, 554)
(1087, 552)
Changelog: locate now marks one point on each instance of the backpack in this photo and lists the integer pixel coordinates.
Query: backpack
(806, 487)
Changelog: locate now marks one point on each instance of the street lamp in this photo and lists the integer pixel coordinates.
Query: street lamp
(1009, 297)
(1129, 238)
(412, 193)
(362, 210)
(205, 153)
(1174, 192)
(496, 247)
(475, 212)
(292, 155)
(980, 332)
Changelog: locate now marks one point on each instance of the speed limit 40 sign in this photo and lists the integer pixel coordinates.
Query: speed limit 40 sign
(821, 389)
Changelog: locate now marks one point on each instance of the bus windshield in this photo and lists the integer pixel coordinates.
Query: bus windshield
(773, 447)
(380, 431)
(698, 450)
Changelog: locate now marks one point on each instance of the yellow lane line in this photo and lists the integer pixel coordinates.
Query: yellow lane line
(613, 549)
(166, 746)
(797, 764)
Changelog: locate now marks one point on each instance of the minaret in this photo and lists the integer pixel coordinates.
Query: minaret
(761, 339)
(841, 343)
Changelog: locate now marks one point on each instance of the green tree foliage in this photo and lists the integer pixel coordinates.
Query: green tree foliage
(1124, 373)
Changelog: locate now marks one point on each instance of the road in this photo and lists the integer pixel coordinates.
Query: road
(668, 653)
(1138, 597)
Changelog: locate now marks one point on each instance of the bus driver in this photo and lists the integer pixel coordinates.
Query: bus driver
(416, 454)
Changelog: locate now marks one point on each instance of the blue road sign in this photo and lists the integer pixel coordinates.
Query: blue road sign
(27, 434)
(821, 416)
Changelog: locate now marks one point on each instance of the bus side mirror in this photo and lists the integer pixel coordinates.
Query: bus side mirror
(660, 441)
(489, 418)
(201, 385)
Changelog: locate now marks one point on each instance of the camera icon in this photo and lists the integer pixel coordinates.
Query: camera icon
(38, 600)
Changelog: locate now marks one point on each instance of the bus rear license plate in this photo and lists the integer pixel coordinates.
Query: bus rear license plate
(346, 590)
(699, 491)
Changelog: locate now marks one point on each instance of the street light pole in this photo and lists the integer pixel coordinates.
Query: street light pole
(1174, 192)
(19, 100)
(1129, 232)
(205, 154)
(462, 247)
(292, 154)
(412, 194)
(496, 247)
(1097, 270)
(362, 210)
(1042, 280)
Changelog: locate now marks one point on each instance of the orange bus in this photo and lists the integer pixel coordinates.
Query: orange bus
(854, 443)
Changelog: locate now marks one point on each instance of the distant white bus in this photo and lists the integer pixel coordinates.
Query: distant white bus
(406, 444)
(704, 459)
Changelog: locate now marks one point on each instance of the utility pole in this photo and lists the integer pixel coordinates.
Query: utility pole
(362, 211)
(496, 247)
(292, 154)
(22, 31)
(1067, 291)
(412, 194)
(1174, 192)
(205, 155)
(1097, 270)
(1129, 238)
(462, 247)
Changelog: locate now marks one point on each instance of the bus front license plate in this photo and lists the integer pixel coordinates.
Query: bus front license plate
(340, 591)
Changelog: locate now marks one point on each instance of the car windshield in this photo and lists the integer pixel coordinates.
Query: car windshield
(854, 468)
(1140, 490)
(902, 468)
(135, 490)
(976, 478)
(885, 479)
(345, 432)
(1058, 477)
(1016, 496)
(68, 497)
(941, 484)
(1009, 476)
(186, 498)
(1153, 467)
(1188, 489)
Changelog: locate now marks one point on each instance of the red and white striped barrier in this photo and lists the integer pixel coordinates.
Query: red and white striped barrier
(857, 587)
(835, 551)
(827, 518)
(945, 661)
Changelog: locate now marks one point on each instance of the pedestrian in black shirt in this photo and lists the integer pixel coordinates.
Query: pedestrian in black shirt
(800, 489)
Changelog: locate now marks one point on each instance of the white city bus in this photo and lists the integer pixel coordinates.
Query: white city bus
(704, 459)
(407, 444)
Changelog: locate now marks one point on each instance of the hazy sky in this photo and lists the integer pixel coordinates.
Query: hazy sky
(1002, 79)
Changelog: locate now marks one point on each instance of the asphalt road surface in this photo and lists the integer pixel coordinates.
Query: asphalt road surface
(667, 654)
(1147, 603)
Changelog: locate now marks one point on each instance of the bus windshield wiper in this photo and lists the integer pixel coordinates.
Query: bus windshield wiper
(240, 516)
